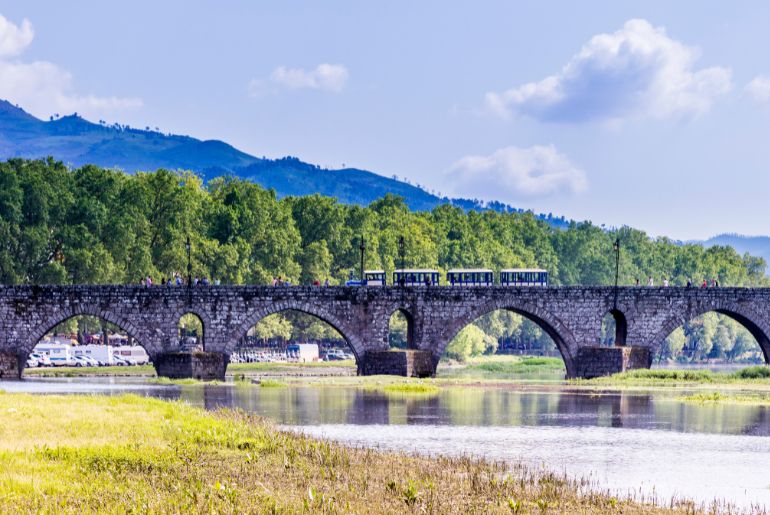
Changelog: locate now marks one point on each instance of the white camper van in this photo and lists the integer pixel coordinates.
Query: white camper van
(60, 354)
(101, 353)
(133, 354)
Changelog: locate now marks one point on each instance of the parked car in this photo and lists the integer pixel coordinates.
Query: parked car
(42, 359)
(82, 361)
(120, 362)
(93, 362)
(32, 362)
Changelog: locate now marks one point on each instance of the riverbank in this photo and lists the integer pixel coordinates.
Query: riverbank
(93, 453)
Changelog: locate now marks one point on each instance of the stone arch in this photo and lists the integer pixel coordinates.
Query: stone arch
(202, 316)
(552, 325)
(621, 326)
(65, 314)
(351, 338)
(410, 328)
(744, 315)
(201, 338)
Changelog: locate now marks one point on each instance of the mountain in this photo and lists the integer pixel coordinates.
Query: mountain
(77, 142)
(754, 245)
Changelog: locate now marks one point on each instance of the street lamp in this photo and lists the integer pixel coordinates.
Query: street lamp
(402, 255)
(362, 247)
(616, 248)
(188, 247)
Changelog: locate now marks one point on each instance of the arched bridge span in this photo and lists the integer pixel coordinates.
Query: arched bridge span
(572, 316)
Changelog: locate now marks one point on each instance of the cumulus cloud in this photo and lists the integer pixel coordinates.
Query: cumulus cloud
(42, 87)
(759, 89)
(638, 71)
(514, 172)
(326, 77)
(14, 39)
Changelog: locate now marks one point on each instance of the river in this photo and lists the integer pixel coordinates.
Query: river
(641, 444)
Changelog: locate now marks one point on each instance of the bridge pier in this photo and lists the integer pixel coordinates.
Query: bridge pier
(407, 363)
(206, 366)
(10, 365)
(605, 361)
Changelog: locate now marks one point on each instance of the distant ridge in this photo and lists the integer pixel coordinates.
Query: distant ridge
(754, 245)
(76, 142)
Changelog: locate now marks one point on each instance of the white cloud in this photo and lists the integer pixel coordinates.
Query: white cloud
(759, 89)
(326, 77)
(43, 88)
(638, 71)
(513, 172)
(14, 39)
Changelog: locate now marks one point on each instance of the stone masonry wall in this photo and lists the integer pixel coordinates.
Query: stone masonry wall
(407, 363)
(604, 361)
(572, 316)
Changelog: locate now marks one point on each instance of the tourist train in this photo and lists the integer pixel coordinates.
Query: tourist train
(459, 277)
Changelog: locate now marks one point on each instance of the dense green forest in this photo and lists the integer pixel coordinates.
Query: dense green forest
(95, 225)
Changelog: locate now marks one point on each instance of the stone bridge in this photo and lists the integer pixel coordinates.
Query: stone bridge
(572, 316)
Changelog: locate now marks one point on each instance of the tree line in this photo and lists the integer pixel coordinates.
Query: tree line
(92, 225)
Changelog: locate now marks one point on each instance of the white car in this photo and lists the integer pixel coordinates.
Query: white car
(83, 361)
(32, 362)
(42, 359)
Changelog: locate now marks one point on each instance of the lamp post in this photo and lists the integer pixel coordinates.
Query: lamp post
(188, 247)
(616, 248)
(402, 255)
(362, 248)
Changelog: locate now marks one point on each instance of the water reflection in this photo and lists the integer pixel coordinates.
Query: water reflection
(452, 406)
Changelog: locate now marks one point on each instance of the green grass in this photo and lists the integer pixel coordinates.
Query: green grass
(265, 367)
(519, 366)
(186, 381)
(755, 375)
(722, 397)
(271, 383)
(129, 454)
(411, 388)
(140, 370)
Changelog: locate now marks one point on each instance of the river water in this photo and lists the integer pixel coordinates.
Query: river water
(631, 443)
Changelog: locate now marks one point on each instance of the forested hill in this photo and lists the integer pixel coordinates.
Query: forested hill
(77, 142)
(94, 225)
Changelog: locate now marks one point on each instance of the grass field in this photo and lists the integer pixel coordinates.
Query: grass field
(128, 454)
(750, 376)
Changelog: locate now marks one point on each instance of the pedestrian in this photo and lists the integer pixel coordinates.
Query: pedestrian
(665, 282)
(326, 282)
(705, 284)
(637, 281)
(689, 282)
(149, 281)
(275, 281)
(649, 281)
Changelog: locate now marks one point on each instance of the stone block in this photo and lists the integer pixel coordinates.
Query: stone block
(9, 365)
(206, 366)
(605, 361)
(407, 363)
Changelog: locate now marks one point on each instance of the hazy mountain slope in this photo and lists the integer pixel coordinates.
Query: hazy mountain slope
(754, 245)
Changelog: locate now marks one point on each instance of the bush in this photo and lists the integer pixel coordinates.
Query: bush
(757, 372)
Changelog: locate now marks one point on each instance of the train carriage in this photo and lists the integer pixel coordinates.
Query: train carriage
(524, 277)
(470, 277)
(416, 277)
(375, 277)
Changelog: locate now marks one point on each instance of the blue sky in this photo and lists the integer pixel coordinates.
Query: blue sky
(650, 114)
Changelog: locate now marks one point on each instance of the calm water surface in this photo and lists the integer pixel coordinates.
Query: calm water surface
(628, 442)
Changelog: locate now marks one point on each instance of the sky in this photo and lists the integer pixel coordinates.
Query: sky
(652, 114)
